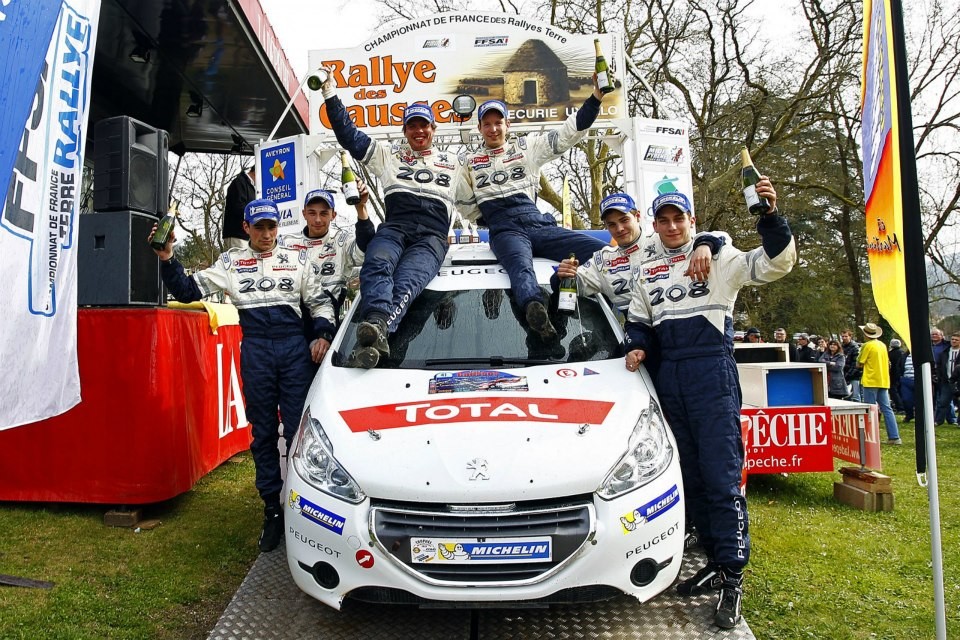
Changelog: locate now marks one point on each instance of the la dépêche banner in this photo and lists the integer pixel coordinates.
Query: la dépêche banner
(788, 439)
(38, 341)
(542, 73)
(881, 168)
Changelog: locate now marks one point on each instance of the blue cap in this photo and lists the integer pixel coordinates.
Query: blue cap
(618, 202)
(262, 209)
(674, 198)
(321, 194)
(417, 110)
(495, 105)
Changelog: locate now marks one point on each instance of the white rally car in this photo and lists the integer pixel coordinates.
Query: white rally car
(479, 464)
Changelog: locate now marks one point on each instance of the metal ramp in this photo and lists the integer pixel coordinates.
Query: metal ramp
(268, 605)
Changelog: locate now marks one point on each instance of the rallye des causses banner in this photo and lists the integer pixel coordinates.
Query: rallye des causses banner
(38, 350)
(542, 73)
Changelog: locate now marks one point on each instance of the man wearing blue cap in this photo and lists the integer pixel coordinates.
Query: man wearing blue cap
(408, 248)
(691, 324)
(338, 251)
(266, 283)
(500, 183)
(613, 269)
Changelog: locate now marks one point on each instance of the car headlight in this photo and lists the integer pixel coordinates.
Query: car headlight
(649, 452)
(314, 462)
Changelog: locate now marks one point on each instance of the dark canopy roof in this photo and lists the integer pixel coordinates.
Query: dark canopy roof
(157, 57)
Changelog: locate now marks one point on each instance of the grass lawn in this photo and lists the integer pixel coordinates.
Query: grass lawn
(819, 569)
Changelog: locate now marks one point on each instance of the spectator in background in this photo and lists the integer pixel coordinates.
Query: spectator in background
(896, 356)
(241, 191)
(753, 336)
(805, 352)
(833, 358)
(942, 400)
(906, 387)
(821, 345)
(852, 373)
(947, 366)
(875, 383)
(780, 337)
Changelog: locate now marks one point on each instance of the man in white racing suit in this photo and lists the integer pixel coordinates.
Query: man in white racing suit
(691, 323)
(500, 183)
(337, 250)
(266, 283)
(613, 270)
(408, 248)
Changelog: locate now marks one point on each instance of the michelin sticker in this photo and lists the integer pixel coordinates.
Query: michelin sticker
(316, 514)
(651, 510)
(482, 380)
(470, 550)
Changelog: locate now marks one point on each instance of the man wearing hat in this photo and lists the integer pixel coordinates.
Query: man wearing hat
(408, 248)
(875, 381)
(266, 283)
(500, 183)
(753, 335)
(612, 270)
(805, 352)
(691, 323)
(338, 251)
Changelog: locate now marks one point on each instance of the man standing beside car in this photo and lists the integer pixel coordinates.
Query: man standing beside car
(692, 323)
(266, 283)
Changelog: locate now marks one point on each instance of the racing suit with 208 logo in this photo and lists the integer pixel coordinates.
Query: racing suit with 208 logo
(501, 185)
(408, 248)
(275, 362)
(690, 324)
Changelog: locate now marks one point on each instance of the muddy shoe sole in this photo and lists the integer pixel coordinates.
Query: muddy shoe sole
(364, 358)
(539, 321)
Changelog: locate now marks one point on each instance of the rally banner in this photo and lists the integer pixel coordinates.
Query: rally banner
(38, 228)
(881, 168)
(542, 73)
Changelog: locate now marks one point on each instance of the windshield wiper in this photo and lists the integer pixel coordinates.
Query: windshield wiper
(493, 361)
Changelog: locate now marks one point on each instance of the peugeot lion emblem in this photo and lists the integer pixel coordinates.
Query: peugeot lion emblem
(478, 469)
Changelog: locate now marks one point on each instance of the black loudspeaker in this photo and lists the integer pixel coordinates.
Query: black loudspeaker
(129, 166)
(115, 264)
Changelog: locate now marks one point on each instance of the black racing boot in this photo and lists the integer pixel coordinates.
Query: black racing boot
(704, 581)
(372, 332)
(539, 321)
(272, 532)
(729, 601)
(363, 358)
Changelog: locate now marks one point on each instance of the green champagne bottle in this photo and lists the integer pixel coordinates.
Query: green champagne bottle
(164, 227)
(749, 178)
(604, 76)
(567, 302)
(348, 181)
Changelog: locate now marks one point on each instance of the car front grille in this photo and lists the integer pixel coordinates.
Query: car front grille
(568, 524)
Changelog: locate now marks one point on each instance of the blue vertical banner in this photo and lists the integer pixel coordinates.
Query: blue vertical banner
(281, 167)
(39, 376)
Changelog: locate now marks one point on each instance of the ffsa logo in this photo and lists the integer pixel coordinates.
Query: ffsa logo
(671, 131)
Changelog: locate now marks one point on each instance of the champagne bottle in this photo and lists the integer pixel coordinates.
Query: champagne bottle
(567, 302)
(749, 178)
(604, 76)
(348, 181)
(164, 227)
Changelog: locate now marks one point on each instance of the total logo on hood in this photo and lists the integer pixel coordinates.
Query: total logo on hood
(493, 409)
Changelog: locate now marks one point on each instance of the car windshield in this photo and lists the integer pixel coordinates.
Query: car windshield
(480, 328)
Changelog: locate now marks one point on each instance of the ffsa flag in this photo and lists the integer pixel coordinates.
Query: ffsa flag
(883, 187)
(51, 44)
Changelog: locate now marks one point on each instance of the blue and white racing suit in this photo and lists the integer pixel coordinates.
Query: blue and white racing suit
(502, 184)
(408, 248)
(697, 382)
(339, 253)
(275, 363)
